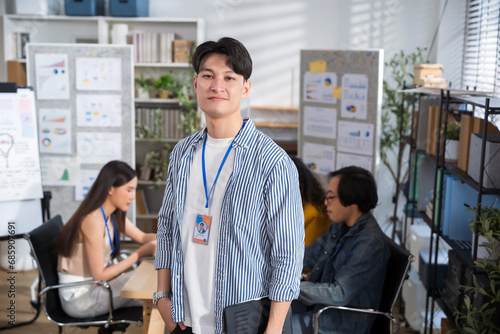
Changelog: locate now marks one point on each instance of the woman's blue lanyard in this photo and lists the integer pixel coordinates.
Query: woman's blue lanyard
(207, 194)
(109, 234)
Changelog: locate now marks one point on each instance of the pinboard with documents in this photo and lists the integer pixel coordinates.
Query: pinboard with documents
(85, 109)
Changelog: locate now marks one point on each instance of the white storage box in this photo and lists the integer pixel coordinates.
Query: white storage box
(420, 236)
(34, 7)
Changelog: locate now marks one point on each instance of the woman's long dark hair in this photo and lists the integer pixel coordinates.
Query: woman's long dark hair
(310, 188)
(114, 174)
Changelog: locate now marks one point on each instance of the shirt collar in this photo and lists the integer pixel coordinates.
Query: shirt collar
(242, 139)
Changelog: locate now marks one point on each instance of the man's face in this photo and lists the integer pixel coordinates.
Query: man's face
(218, 88)
(335, 210)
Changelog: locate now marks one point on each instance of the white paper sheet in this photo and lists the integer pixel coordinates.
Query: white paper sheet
(345, 160)
(319, 158)
(98, 147)
(59, 171)
(19, 163)
(94, 110)
(318, 87)
(355, 137)
(55, 130)
(85, 181)
(98, 73)
(52, 77)
(354, 96)
(320, 122)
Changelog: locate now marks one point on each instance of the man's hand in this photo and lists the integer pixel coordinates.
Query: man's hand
(166, 314)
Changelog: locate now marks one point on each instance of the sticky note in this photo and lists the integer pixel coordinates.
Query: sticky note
(317, 66)
(337, 92)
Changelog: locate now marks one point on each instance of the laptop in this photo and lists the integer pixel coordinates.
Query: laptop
(250, 317)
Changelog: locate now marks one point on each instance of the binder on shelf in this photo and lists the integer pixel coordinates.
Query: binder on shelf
(448, 181)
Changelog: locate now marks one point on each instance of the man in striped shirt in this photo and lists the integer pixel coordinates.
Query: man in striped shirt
(245, 190)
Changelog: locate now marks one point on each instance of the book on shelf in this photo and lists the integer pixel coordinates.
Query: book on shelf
(145, 169)
(19, 41)
(141, 203)
(152, 47)
(165, 122)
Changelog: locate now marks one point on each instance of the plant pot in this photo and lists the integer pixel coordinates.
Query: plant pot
(482, 252)
(451, 151)
(142, 93)
(163, 94)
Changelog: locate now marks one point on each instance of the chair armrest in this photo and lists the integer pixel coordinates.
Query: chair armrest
(347, 308)
(66, 285)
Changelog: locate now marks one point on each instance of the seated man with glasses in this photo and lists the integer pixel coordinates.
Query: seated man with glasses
(349, 261)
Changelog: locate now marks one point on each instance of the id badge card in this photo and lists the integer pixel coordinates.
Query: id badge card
(202, 229)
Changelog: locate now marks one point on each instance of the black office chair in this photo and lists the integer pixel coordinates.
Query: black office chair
(395, 275)
(42, 241)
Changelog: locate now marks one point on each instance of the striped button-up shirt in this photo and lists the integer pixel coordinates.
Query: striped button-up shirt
(261, 239)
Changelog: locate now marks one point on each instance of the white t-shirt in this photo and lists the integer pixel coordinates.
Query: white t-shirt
(199, 259)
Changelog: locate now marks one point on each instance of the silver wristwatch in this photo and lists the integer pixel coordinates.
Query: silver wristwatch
(161, 294)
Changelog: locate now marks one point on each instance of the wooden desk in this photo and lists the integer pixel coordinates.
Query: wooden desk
(141, 286)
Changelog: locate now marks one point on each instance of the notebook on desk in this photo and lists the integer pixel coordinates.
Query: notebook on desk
(250, 317)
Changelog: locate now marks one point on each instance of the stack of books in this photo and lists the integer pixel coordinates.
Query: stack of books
(152, 47)
(19, 41)
(166, 123)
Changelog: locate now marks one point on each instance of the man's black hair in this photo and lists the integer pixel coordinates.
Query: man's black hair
(238, 57)
(356, 186)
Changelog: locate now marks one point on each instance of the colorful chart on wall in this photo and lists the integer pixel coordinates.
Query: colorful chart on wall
(52, 77)
(93, 110)
(318, 87)
(98, 74)
(55, 130)
(320, 122)
(355, 137)
(354, 96)
(319, 158)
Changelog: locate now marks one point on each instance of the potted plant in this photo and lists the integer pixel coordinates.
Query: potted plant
(452, 137)
(143, 87)
(479, 313)
(165, 86)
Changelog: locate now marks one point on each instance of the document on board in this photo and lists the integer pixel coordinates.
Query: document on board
(318, 157)
(320, 122)
(85, 181)
(98, 147)
(99, 74)
(55, 130)
(345, 160)
(354, 96)
(355, 137)
(98, 110)
(19, 158)
(52, 77)
(59, 171)
(318, 87)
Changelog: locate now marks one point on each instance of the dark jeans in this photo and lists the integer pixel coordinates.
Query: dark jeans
(177, 330)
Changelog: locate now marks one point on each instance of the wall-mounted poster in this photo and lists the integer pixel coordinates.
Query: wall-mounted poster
(319, 158)
(55, 130)
(355, 137)
(354, 96)
(98, 73)
(101, 110)
(318, 87)
(320, 122)
(52, 78)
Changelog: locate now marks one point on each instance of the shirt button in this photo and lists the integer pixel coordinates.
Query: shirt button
(178, 276)
(178, 252)
(338, 267)
(325, 252)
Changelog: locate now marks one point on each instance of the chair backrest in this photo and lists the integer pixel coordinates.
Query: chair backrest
(43, 243)
(395, 275)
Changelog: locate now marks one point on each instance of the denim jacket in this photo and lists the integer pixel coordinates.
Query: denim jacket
(348, 270)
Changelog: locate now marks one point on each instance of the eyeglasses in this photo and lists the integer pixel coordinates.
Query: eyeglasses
(329, 198)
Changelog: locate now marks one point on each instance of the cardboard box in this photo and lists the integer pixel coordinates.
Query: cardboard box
(468, 126)
(423, 119)
(433, 128)
(427, 71)
(491, 171)
(182, 50)
(16, 72)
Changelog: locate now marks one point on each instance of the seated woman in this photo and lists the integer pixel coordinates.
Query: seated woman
(91, 239)
(316, 221)
(349, 261)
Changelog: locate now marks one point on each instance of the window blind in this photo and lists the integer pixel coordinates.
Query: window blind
(481, 51)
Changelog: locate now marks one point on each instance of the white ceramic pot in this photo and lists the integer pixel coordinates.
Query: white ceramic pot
(451, 151)
(142, 93)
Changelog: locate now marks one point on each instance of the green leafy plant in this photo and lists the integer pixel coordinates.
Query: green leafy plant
(144, 83)
(483, 319)
(453, 131)
(143, 131)
(396, 114)
(158, 162)
(165, 82)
